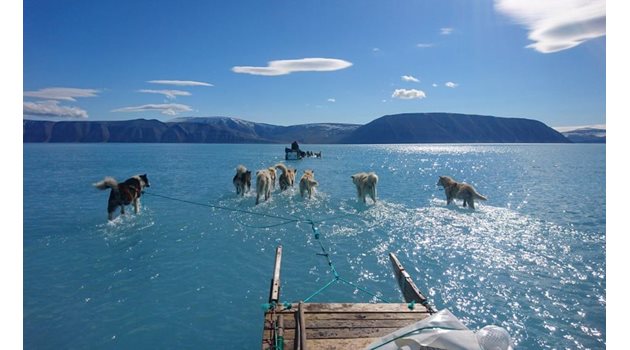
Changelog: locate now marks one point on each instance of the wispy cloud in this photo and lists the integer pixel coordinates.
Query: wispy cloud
(434, 85)
(446, 31)
(170, 94)
(557, 25)
(282, 67)
(424, 45)
(331, 100)
(53, 109)
(180, 82)
(376, 49)
(451, 85)
(62, 93)
(171, 109)
(411, 94)
(410, 78)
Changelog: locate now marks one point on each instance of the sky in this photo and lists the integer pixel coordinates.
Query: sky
(294, 62)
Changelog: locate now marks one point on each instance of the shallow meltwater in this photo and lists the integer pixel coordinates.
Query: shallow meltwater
(192, 269)
(491, 265)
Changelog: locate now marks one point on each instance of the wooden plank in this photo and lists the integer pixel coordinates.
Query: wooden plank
(351, 316)
(340, 344)
(361, 307)
(368, 316)
(280, 333)
(302, 326)
(408, 288)
(322, 324)
(335, 333)
(274, 292)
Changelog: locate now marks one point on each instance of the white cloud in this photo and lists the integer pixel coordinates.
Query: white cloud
(170, 94)
(451, 84)
(331, 100)
(376, 49)
(180, 82)
(52, 109)
(434, 85)
(557, 25)
(408, 94)
(171, 109)
(424, 45)
(410, 78)
(446, 31)
(282, 67)
(61, 93)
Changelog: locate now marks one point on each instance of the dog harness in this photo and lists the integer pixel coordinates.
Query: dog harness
(127, 194)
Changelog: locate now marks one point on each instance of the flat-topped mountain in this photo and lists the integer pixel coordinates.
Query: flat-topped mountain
(399, 128)
(453, 128)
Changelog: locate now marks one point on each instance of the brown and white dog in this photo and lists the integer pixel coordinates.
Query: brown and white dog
(263, 184)
(366, 185)
(457, 190)
(308, 183)
(272, 173)
(287, 177)
(242, 180)
(122, 194)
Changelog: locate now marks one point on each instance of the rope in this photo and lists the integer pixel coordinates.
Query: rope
(223, 208)
(337, 277)
(285, 221)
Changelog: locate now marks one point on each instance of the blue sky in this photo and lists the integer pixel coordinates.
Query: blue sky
(292, 62)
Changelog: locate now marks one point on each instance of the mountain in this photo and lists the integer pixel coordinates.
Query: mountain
(453, 128)
(584, 134)
(182, 130)
(399, 128)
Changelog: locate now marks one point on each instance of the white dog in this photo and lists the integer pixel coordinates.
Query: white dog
(308, 183)
(366, 185)
(263, 184)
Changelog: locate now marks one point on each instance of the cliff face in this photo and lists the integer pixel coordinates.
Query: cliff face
(400, 128)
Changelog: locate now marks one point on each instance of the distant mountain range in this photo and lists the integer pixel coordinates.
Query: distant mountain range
(584, 134)
(398, 128)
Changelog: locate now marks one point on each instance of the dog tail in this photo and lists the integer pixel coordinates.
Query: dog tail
(478, 196)
(241, 169)
(282, 167)
(108, 182)
(372, 179)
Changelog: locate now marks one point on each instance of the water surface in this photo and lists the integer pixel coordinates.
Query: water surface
(531, 259)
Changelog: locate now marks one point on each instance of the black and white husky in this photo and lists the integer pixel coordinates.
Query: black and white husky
(242, 180)
(122, 194)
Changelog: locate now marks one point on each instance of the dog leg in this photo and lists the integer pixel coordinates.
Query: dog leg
(136, 205)
(472, 203)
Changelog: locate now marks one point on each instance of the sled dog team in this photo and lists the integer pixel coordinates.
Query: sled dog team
(130, 191)
(266, 182)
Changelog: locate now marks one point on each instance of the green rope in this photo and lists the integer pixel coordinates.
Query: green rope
(286, 221)
(223, 208)
(336, 278)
